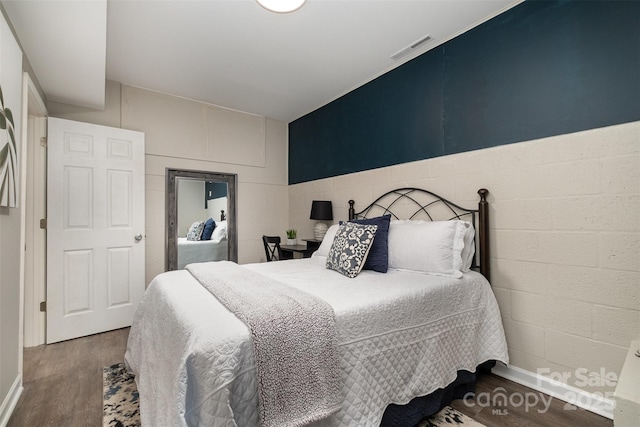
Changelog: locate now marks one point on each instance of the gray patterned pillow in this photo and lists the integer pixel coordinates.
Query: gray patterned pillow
(350, 247)
(195, 231)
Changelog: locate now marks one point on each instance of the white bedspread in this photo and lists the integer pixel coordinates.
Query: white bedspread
(400, 335)
(295, 343)
(190, 251)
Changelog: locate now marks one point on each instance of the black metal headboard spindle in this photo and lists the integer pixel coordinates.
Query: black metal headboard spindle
(481, 260)
(483, 233)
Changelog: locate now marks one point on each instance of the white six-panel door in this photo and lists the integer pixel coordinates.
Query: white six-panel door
(95, 228)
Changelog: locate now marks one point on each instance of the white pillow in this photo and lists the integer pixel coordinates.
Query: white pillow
(433, 247)
(327, 241)
(469, 249)
(220, 232)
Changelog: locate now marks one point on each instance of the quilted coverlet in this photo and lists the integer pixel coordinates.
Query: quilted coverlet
(294, 342)
(400, 335)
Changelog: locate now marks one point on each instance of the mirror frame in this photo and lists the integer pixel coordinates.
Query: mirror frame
(171, 241)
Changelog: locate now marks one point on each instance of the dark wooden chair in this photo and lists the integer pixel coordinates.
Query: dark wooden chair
(272, 248)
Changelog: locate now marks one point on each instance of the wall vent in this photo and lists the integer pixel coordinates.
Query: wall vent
(413, 46)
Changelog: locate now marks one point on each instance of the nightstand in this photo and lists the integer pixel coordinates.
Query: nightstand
(306, 250)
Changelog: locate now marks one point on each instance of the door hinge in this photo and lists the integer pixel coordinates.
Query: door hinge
(43, 224)
(43, 306)
(43, 141)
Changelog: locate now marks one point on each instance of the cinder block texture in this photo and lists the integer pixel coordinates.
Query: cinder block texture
(565, 230)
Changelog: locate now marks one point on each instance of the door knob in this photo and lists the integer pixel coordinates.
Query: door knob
(138, 237)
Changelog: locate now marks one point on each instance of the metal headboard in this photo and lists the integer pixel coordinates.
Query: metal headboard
(416, 203)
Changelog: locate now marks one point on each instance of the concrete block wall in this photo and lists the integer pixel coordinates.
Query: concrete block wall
(565, 233)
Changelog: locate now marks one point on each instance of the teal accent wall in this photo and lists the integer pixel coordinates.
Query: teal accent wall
(540, 69)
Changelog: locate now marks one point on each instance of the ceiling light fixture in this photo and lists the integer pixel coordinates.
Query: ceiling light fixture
(281, 6)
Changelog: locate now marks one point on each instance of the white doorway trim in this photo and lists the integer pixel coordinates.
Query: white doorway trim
(33, 203)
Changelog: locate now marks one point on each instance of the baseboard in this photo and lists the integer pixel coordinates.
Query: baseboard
(574, 396)
(11, 400)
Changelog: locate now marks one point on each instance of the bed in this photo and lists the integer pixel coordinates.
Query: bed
(404, 339)
(215, 249)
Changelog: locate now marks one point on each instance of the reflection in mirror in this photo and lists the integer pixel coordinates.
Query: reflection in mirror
(201, 217)
(202, 221)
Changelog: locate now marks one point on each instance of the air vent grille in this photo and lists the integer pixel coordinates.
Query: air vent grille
(413, 46)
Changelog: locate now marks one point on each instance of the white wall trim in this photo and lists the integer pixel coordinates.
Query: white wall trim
(32, 283)
(591, 402)
(11, 400)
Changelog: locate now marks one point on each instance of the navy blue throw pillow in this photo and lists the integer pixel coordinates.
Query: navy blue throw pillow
(378, 258)
(209, 226)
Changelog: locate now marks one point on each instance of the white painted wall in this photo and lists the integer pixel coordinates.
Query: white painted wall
(190, 204)
(10, 234)
(185, 134)
(565, 233)
(214, 206)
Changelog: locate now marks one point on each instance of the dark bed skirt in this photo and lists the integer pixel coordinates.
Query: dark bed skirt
(425, 406)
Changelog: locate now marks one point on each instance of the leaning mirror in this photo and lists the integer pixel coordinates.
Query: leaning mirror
(201, 217)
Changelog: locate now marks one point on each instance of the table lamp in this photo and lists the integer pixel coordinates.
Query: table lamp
(321, 210)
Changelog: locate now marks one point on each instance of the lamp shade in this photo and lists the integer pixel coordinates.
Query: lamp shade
(321, 210)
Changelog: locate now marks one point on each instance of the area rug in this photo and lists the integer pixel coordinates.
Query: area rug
(121, 403)
(450, 417)
(120, 397)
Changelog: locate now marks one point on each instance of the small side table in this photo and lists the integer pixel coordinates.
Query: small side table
(312, 244)
(306, 250)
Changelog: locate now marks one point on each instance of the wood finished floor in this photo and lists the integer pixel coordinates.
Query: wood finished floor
(63, 381)
(63, 387)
